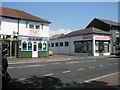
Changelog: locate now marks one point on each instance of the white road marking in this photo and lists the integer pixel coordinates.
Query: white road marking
(80, 69)
(109, 64)
(83, 61)
(10, 67)
(115, 63)
(32, 66)
(91, 61)
(91, 67)
(66, 71)
(100, 77)
(101, 65)
(22, 79)
(50, 74)
(54, 63)
(72, 62)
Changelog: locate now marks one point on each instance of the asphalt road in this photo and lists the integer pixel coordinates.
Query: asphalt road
(66, 71)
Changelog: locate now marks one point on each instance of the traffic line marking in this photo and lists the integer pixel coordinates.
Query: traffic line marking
(10, 67)
(32, 66)
(50, 74)
(91, 67)
(101, 65)
(100, 77)
(72, 62)
(80, 69)
(66, 72)
(55, 63)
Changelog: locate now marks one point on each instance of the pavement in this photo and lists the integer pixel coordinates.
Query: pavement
(112, 79)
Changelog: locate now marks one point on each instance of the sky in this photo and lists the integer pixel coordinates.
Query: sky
(68, 16)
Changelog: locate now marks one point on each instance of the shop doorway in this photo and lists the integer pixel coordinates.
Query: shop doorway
(34, 50)
(101, 48)
(10, 48)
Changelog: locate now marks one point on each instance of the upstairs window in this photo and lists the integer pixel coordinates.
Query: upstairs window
(37, 27)
(42, 26)
(31, 26)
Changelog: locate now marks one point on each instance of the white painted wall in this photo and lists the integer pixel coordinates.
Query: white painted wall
(9, 25)
(70, 50)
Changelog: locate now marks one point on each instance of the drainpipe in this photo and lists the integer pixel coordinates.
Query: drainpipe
(17, 39)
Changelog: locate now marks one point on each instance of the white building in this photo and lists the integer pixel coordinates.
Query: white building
(23, 34)
(86, 42)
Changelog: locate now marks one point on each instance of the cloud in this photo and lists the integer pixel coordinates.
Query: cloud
(59, 31)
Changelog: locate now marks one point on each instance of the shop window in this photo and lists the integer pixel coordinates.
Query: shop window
(66, 44)
(85, 47)
(56, 44)
(31, 26)
(44, 46)
(39, 46)
(24, 46)
(61, 44)
(78, 47)
(29, 46)
(89, 47)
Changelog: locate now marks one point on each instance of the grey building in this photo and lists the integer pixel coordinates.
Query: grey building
(110, 26)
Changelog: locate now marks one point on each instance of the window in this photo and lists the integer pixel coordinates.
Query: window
(52, 44)
(31, 26)
(39, 46)
(78, 47)
(24, 46)
(37, 27)
(0, 25)
(66, 44)
(26, 24)
(49, 44)
(42, 26)
(29, 46)
(44, 46)
(61, 44)
(56, 44)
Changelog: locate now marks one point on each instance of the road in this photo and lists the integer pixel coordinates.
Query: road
(67, 71)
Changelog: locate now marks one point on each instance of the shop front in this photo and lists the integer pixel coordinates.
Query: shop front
(32, 47)
(101, 45)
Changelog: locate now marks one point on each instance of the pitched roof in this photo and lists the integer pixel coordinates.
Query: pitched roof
(19, 14)
(90, 30)
(55, 37)
(108, 22)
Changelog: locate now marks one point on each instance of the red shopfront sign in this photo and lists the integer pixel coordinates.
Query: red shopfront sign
(87, 37)
(34, 38)
(102, 37)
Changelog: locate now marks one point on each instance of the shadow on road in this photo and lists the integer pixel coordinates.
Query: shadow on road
(51, 83)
